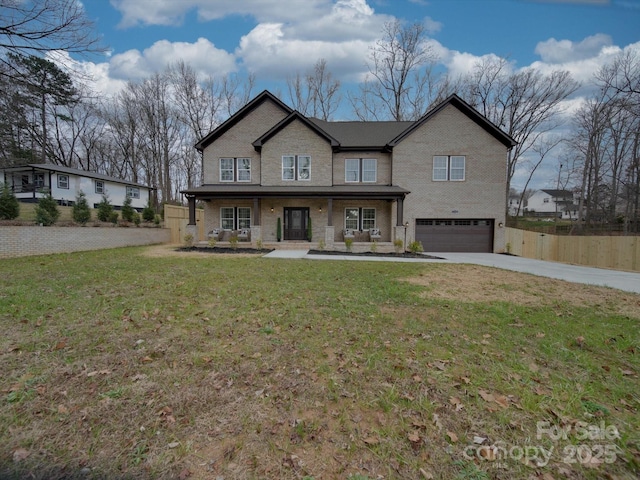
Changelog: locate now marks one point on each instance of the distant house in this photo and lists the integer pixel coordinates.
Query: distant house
(31, 182)
(553, 203)
(440, 180)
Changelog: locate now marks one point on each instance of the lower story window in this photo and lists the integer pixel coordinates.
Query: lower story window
(235, 218)
(360, 218)
(63, 181)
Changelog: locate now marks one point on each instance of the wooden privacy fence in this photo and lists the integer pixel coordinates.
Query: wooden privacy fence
(176, 219)
(620, 253)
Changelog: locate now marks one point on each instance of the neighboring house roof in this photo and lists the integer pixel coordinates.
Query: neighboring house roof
(558, 193)
(286, 121)
(238, 116)
(336, 191)
(73, 171)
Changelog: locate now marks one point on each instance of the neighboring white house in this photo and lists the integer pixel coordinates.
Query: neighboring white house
(31, 182)
(553, 203)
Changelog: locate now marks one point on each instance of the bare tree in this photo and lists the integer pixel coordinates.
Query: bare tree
(35, 27)
(400, 81)
(317, 93)
(525, 104)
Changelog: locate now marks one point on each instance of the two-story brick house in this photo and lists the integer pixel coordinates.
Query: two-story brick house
(440, 180)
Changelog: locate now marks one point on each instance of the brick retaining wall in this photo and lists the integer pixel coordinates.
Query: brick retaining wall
(23, 241)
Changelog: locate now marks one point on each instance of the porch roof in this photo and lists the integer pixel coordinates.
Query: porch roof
(378, 192)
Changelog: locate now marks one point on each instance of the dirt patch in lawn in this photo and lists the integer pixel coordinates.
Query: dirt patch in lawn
(484, 284)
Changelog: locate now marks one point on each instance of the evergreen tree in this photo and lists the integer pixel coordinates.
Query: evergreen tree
(148, 215)
(127, 210)
(47, 212)
(81, 212)
(104, 209)
(9, 206)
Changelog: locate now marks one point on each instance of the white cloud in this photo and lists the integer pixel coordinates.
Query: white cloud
(561, 51)
(202, 55)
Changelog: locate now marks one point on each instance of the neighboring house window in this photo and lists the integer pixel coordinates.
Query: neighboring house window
(449, 168)
(63, 181)
(38, 180)
(133, 192)
(99, 187)
(235, 169)
(545, 200)
(360, 170)
(360, 218)
(296, 167)
(235, 218)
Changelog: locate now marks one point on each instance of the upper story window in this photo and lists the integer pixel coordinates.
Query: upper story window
(100, 187)
(133, 192)
(360, 170)
(296, 167)
(63, 181)
(449, 168)
(235, 169)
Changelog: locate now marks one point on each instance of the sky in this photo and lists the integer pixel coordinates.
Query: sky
(274, 39)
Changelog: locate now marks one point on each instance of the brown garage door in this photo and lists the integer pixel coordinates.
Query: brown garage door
(448, 235)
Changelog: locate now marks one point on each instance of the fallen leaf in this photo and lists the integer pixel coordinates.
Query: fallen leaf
(60, 345)
(487, 397)
(540, 335)
(20, 454)
(414, 437)
(478, 440)
(173, 444)
(62, 409)
(436, 421)
(371, 440)
(186, 473)
(426, 474)
(452, 436)
(146, 359)
(627, 372)
(488, 453)
(533, 367)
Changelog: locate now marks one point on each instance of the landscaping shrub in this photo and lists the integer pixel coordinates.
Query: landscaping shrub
(81, 213)
(105, 209)
(148, 215)
(127, 210)
(9, 205)
(47, 212)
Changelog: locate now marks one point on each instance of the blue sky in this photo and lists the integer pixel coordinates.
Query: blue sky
(277, 38)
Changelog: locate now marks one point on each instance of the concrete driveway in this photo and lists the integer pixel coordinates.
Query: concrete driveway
(626, 281)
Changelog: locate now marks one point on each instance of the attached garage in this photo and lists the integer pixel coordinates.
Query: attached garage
(448, 235)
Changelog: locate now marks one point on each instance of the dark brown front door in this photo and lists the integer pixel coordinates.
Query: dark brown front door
(295, 223)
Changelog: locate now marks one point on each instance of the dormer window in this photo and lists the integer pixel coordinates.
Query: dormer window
(296, 167)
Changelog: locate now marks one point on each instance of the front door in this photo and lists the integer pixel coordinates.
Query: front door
(295, 223)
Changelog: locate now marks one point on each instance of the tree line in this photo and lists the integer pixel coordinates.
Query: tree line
(146, 132)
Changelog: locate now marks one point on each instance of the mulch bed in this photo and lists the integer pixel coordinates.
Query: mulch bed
(224, 250)
(375, 254)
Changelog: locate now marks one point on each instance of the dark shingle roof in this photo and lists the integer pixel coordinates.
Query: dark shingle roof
(75, 171)
(362, 134)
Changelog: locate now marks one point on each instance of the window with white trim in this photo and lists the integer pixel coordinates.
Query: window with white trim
(356, 218)
(63, 181)
(296, 167)
(100, 187)
(38, 180)
(133, 192)
(449, 168)
(360, 170)
(235, 218)
(235, 169)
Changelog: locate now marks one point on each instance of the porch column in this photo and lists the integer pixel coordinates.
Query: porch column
(256, 211)
(192, 209)
(400, 214)
(329, 212)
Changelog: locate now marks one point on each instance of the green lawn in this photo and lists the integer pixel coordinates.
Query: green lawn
(119, 364)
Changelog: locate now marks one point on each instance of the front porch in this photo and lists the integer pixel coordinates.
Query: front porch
(359, 247)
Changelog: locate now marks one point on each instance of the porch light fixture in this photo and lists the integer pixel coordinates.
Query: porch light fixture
(500, 225)
(320, 209)
(271, 209)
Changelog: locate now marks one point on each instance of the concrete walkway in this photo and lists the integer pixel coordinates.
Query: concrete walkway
(626, 281)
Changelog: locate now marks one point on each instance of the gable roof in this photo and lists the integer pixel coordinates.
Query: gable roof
(286, 121)
(465, 108)
(74, 171)
(558, 193)
(239, 115)
(355, 135)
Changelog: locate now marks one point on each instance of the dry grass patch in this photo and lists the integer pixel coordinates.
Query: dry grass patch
(134, 364)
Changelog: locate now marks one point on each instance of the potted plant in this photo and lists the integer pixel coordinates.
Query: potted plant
(309, 230)
(279, 230)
